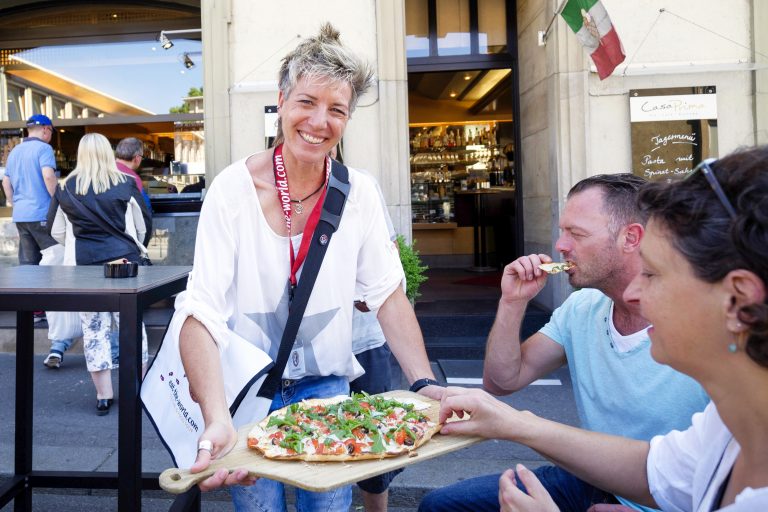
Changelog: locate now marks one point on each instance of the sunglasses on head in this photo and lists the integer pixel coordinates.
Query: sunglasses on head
(705, 166)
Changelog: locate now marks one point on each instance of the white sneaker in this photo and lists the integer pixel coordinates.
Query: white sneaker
(53, 360)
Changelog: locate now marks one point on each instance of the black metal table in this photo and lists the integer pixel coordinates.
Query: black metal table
(57, 288)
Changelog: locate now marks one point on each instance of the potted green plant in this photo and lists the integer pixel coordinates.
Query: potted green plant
(414, 270)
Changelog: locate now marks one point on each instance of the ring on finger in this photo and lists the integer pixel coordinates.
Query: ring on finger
(205, 445)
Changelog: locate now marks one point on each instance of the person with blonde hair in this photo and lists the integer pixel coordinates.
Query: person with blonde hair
(244, 269)
(95, 190)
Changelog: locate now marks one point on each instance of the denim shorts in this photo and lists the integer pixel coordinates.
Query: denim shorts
(269, 495)
(33, 238)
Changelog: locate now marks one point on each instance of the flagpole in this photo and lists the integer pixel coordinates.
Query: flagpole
(544, 33)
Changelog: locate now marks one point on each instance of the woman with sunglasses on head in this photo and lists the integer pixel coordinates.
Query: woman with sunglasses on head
(703, 286)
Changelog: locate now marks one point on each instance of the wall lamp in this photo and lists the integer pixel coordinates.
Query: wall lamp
(166, 43)
(188, 63)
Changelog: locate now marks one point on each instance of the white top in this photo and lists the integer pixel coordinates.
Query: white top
(238, 285)
(624, 343)
(366, 331)
(686, 469)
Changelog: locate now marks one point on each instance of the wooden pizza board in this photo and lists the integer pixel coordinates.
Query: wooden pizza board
(318, 476)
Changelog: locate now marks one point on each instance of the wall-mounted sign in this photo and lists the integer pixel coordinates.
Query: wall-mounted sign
(672, 130)
(270, 120)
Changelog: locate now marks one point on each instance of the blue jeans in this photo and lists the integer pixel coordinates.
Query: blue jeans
(114, 345)
(62, 346)
(481, 494)
(269, 495)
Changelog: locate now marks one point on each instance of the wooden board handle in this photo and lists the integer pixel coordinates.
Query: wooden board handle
(178, 481)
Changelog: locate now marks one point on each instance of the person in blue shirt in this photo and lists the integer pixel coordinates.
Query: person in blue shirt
(619, 389)
(29, 182)
(704, 287)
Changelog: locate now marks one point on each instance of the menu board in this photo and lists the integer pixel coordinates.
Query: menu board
(672, 130)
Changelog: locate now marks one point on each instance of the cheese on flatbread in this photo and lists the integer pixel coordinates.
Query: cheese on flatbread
(358, 428)
(554, 268)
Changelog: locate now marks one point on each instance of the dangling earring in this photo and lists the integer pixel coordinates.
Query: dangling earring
(733, 346)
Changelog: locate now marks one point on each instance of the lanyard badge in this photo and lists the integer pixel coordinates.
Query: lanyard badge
(284, 198)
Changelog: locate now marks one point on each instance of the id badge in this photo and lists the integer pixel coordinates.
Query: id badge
(296, 366)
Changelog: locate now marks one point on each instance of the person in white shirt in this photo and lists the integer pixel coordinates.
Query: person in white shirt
(252, 226)
(704, 287)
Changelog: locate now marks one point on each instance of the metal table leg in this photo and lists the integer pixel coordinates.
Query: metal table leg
(25, 349)
(129, 422)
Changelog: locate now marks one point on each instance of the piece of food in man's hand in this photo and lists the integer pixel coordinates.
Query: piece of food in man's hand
(343, 429)
(554, 268)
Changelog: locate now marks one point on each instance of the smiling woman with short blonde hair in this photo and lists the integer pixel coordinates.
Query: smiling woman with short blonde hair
(254, 222)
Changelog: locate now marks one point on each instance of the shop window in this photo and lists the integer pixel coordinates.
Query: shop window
(118, 89)
(453, 34)
(416, 28)
(38, 104)
(134, 78)
(15, 103)
(58, 109)
(437, 29)
(492, 26)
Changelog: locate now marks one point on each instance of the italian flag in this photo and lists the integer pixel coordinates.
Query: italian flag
(592, 25)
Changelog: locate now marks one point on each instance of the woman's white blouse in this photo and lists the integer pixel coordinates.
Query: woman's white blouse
(686, 469)
(238, 285)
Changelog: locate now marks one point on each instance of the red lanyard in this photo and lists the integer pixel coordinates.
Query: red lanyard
(281, 184)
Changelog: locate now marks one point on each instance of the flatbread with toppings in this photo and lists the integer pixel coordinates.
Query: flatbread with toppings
(554, 268)
(343, 429)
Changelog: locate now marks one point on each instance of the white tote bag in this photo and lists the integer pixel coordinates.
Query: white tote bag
(176, 416)
(62, 325)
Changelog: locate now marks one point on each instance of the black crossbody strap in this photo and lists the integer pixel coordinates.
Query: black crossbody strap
(100, 221)
(333, 207)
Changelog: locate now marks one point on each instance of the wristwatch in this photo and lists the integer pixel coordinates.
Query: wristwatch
(422, 383)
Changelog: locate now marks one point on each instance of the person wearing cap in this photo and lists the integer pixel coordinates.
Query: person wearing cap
(29, 182)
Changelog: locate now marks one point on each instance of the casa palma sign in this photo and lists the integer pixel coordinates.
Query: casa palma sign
(672, 130)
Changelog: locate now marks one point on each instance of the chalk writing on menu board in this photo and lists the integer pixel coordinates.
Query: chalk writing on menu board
(671, 133)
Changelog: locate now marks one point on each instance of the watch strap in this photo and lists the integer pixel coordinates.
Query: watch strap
(422, 383)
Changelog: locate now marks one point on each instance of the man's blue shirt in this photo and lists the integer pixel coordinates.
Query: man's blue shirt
(626, 394)
(25, 171)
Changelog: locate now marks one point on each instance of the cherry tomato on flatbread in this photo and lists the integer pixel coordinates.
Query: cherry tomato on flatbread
(353, 446)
